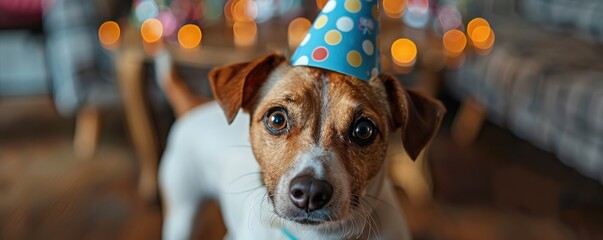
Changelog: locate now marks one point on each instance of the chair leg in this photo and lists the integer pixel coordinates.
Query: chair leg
(468, 122)
(87, 131)
(129, 70)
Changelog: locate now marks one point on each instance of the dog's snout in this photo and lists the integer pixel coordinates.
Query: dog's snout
(309, 193)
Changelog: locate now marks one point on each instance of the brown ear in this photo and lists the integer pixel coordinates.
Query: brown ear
(419, 116)
(234, 86)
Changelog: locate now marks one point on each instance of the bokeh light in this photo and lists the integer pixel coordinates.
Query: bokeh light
(417, 14)
(189, 36)
(245, 33)
(244, 10)
(475, 23)
(449, 17)
(228, 11)
(297, 31)
(146, 9)
(454, 41)
(394, 8)
(404, 52)
(151, 30)
(481, 35)
(486, 45)
(168, 21)
(108, 33)
(321, 3)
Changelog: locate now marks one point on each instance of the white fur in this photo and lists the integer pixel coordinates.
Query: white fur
(206, 158)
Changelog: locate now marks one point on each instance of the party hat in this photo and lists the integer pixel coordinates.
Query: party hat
(343, 39)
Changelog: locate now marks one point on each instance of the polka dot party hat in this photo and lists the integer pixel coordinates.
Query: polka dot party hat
(343, 39)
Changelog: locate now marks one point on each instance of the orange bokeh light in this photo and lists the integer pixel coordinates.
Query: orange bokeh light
(475, 23)
(297, 30)
(108, 33)
(189, 36)
(454, 41)
(245, 33)
(321, 3)
(394, 8)
(151, 30)
(486, 45)
(228, 10)
(404, 52)
(244, 10)
(481, 34)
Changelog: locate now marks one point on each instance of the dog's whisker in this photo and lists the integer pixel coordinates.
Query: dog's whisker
(332, 228)
(257, 209)
(239, 146)
(246, 175)
(245, 191)
(249, 216)
(381, 201)
(375, 224)
(398, 212)
(352, 230)
(365, 210)
(359, 224)
(354, 224)
(265, 200)
(364, 215)
(361, 212)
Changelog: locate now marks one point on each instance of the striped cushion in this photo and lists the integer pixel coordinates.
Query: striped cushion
(581, 17)
(546, 88)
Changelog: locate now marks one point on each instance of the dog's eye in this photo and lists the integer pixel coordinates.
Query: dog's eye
(276, 120)
(363, 132)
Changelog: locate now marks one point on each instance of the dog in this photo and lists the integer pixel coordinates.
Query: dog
(300, 154)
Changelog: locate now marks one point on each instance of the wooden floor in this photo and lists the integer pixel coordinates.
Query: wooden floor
(498, 188)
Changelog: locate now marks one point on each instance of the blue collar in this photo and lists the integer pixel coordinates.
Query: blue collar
(288, 234)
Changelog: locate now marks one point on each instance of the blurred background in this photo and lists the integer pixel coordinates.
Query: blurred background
(90, 88)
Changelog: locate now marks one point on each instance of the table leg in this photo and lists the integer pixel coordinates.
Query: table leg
(129, 67)
(87, 131)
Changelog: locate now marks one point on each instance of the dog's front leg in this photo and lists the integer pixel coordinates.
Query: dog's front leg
(180, 186)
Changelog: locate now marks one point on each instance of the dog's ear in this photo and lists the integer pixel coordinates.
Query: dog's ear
(234, 86)
(419, 116)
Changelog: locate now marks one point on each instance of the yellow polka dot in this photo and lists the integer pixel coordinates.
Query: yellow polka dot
(333, 37)
(375, 12)
(354, 58)
(321, 22)
(353, 6)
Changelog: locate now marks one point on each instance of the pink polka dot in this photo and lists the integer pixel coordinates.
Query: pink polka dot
(320, 54)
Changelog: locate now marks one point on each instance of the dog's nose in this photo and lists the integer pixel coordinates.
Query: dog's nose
(309, 193)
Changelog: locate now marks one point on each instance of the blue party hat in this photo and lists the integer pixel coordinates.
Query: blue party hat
(343, 39)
